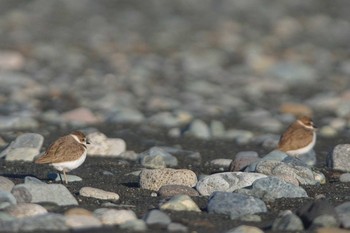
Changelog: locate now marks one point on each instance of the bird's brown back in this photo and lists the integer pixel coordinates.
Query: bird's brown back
(63, 149)
(295, 137)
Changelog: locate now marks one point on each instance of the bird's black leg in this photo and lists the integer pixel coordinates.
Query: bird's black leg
(59, 173)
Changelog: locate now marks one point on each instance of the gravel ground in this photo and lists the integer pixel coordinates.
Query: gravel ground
(145, 71)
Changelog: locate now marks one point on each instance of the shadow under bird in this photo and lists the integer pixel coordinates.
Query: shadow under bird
(66, 153)
(299, 138)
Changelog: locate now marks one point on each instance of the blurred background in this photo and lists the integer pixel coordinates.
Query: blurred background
(242, 62)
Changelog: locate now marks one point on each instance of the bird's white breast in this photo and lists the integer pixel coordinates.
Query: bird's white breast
(70, 165)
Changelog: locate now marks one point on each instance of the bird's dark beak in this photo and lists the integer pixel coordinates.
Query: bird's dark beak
(88, 142)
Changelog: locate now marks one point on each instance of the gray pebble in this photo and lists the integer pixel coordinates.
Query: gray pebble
(243, 159)
(245, 229)
(33, 180)
(126, 115)
(35, 193)
(100, 145)
(70, 178)
(329, 221)
(113, 216)
(226, 182)
(217, 129)
(82, 222)
(271, 188)
(98, 194)
(18, 122)
(234, 204)
(134, 225)
(25, 147)
(339, 158)
(22, 210)
(157, 157)
(344, 177)
(6, 184)
(287, 221)
(199, 129)
(180, 203)
(176, 227)
(343, 212)
(157, 217)
(6, 199)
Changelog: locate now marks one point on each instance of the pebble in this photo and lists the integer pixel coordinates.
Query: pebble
(98, 194)
(245, 229)
(173, 189)
(33, 180)
(78, 211)
(6, 184)
(126, 115)
(25, 147)
(267, 141)
(176, 227)
(36, 193)
(157, 157)
(45, 222)
(134, 225)
(114, 217)
(170, 119)
(6, 199)
(293, 73)
(325, 221)
(271, 188)
(18, 122)
(234, 205)
(344, 177)
(157, 217)
(263, 119)
(331, 230)
(199, 129)
(296, 109)
(243, 159)
(180, 203)
(100, 145)
(70, 178)
(154, 179)
(128, 155)
(287, 221)
(217, 129)
(241, 137)
(343, 212)
(339, 157)
(226, 182)
(80, 115)
(220, 165)
(328, 132)
(82, 222)
(11, 60)
(22, 210)
(250, 218)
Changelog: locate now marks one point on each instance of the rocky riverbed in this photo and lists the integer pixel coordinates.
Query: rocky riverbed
(184, 102)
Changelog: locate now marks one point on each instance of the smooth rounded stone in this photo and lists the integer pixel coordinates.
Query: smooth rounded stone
(294, 73)
(22, 210)
(177, 227)
(250, 218)
(217, 129)
(173, 189)
(241, 137)
(98, 193)
(25, 147)
(11, 60)
(126, 115)
(344, 177)
(36, 193)
(18, 122)
(134, 225)
(198, 129)
(70, 178)
(325, 221)
(220, 165)
(226, 182)
(156, 178)
(271, 188)
(304, 175)
(157, 157)
(6, 184)
(287, 221)
(170, 119)
(243, 159)
(114, 217)
(45, 222)
(32, 180)
(100, 145)
(180, 203)
(80, 115)
(275, 155)
(343, 212)
(156, 217)
(234, 204)
(6, 199)
(128, 155)
(328, 132)
(339, 157)
(245, 229)
(82, 222)
(194, 156)
(78, 211)
(267, 141)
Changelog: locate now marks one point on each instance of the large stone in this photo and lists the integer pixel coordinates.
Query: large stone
(98, 193)
(154, 179)
(100, 145)
(6, 184)
(339, 158)
(180, 203)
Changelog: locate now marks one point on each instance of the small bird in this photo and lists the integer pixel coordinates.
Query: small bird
(299, 138)
(66, 153)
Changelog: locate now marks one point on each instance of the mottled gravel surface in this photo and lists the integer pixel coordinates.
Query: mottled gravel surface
(147, 69)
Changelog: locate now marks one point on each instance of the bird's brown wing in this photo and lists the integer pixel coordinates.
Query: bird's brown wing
(62, 150)
(293, 139)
